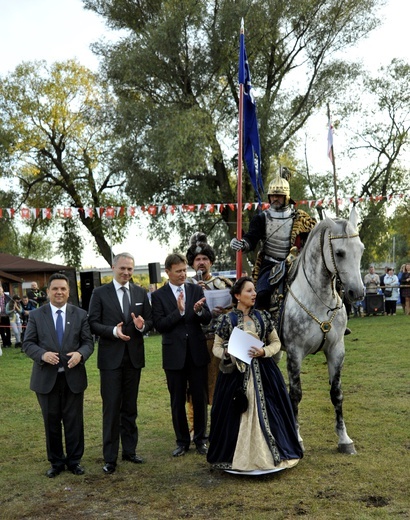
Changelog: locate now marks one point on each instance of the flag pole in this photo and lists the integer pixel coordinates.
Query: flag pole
(239, 184)
(331, 152)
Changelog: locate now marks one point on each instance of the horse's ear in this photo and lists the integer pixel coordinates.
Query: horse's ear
(354, 218)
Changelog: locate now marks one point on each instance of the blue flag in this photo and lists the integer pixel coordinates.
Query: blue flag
(251, 144)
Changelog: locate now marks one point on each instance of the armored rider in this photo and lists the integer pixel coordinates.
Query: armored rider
(283, 230)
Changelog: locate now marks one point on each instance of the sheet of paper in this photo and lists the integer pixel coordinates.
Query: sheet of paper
(218, 298)
(240, 343)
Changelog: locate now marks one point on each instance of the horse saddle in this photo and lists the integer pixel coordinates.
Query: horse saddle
(277, 273)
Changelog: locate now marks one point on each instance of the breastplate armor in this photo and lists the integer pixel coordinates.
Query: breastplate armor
(278, 232)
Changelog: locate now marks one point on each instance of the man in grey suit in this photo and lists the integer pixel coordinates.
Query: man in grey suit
(59, 341)
(179, 311)
(120, 315)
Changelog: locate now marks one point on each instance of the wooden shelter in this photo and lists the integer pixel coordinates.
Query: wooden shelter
(17, 274)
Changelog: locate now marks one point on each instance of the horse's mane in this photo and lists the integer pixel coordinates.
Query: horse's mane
(337, 225)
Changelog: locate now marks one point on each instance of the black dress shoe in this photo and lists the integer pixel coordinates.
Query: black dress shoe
(180, 451)
(76, 469)
(202, 449)
(54, 471)
(109, 468)
(136, 459)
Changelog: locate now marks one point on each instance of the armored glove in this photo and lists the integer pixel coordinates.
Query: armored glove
(238, 245)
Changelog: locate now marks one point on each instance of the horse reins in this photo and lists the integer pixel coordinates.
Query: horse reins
(325, 326)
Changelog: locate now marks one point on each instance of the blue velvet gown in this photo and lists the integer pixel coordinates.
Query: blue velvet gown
(264, 385)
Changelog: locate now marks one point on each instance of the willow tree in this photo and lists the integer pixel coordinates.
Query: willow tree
(175, 72)
(58, 142)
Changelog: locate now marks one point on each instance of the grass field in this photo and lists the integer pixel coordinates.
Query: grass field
(374, 484)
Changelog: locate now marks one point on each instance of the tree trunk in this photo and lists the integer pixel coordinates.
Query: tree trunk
(94, 226)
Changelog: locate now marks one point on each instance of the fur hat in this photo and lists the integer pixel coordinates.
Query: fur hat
(199, 246)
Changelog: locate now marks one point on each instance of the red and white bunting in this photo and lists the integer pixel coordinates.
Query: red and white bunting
(111, 212)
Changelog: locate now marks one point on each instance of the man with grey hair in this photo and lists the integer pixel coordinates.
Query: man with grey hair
(371, 281)
(120, 315)
(35, 294)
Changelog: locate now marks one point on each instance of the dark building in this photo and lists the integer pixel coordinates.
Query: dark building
(17, 273)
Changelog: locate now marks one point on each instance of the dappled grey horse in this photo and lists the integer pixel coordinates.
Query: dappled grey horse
(314, 317)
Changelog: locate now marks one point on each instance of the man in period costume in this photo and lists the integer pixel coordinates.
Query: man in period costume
(200, 257)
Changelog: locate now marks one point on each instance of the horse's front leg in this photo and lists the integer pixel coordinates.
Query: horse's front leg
(295, 389)
(335, 364)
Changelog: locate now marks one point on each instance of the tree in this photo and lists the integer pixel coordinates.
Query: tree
(57, 139)
(9, 236)
(400, 234)
(175, 73)
(382, 142)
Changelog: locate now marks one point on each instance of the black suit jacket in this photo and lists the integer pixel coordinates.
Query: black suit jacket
(41, 337)
(105, 313)
(180, 332)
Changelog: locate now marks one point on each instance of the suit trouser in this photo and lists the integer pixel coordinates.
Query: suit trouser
(212, 375)
(61, 407)
(119, 392)
(178, 381)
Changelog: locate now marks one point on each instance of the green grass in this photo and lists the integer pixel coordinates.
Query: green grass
(326, 484)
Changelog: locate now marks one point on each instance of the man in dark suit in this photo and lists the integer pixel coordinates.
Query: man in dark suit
(59, 341)
(179, 310)
(120, 315)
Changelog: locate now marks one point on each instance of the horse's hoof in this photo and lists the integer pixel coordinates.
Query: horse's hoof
(347, 449)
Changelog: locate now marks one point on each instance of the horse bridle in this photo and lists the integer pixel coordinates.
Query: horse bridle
(332, 256)
(325, 326)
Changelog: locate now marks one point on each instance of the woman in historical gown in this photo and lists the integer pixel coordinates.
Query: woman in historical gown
(252, 424)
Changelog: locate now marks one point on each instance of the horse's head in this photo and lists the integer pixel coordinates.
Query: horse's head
(342, 253)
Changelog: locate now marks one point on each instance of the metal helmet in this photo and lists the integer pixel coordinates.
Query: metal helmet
(280, 186)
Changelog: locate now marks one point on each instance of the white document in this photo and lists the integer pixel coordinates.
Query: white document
(240, 343)
(218, 298)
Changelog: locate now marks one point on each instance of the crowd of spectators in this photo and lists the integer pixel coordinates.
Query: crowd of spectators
(393, 290)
